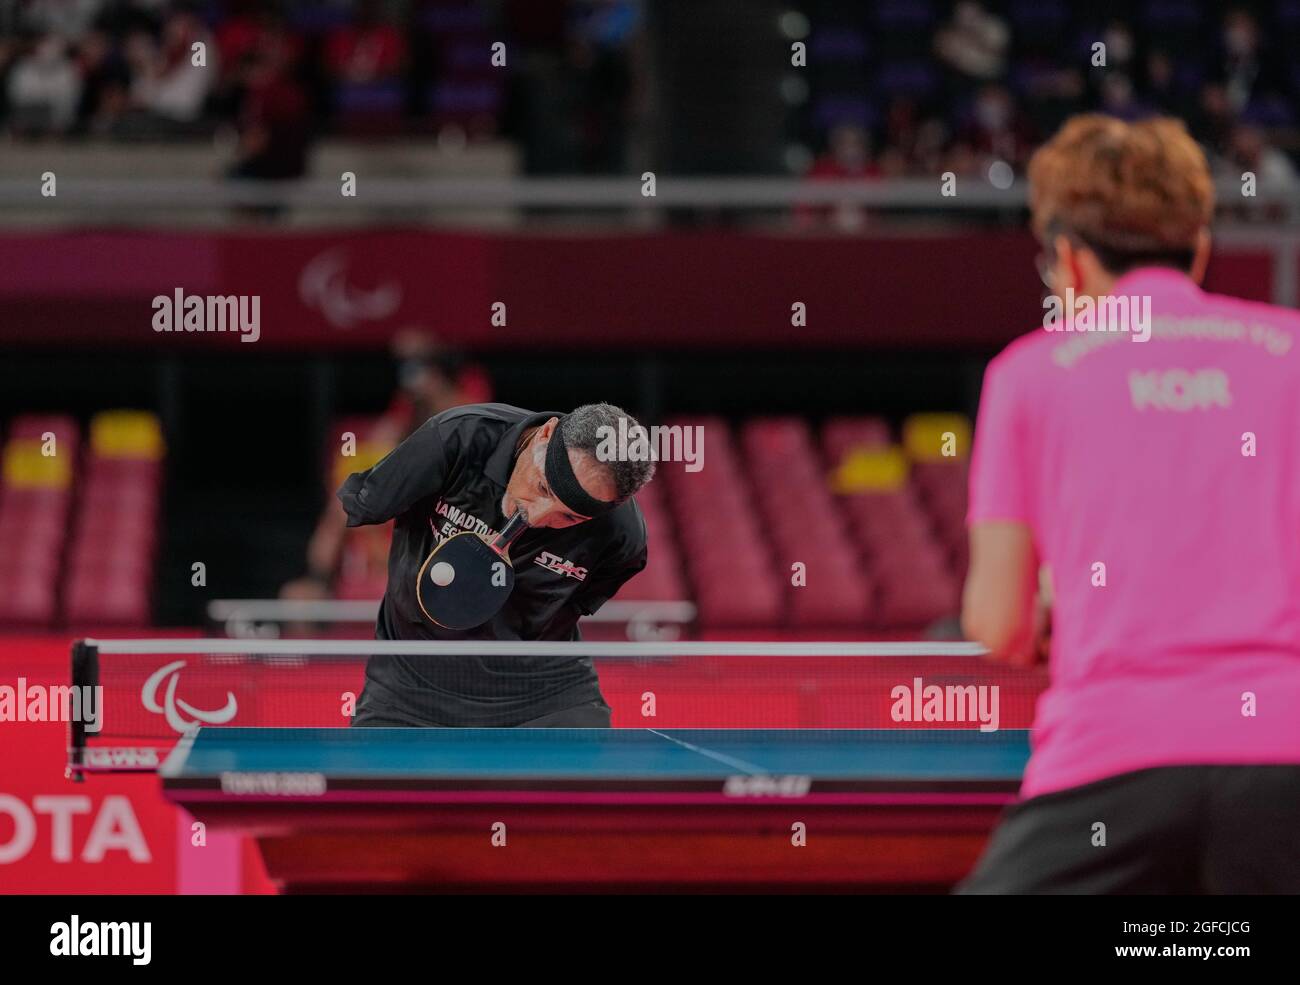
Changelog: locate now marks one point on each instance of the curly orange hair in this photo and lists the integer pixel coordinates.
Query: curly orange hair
(1126, 188)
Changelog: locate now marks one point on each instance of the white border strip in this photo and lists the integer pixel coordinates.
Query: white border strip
(524, 648)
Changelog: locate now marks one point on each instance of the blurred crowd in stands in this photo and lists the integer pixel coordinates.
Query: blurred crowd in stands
(916, 88)
(895, 87)
(282, 71)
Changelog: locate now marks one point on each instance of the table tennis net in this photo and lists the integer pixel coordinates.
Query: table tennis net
(150, 699)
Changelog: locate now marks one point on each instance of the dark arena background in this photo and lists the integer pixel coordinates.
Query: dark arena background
(797, 228)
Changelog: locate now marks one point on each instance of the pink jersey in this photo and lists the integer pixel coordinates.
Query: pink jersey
(1161, 481)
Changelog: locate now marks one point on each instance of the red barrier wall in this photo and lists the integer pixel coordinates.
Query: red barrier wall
(663, 290)
(114, 833)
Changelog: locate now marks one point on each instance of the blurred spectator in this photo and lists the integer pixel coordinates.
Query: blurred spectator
(274, 124)
(578, 78)
(69, 19)
(431, 378)
(1121, 48)
(1243, 72)
(367, 50)
(1119, 99)
(252, 30)
(996, 128)
(892, 163)
(166, 83)
(106, 81)
(902, 121)
(1161, 86)
(932, 139)
(847, 158)
(848, 155)
(44, 88)
(1275, 174)
(1273, 169)
(1213, 117)
(974, 42)
(961, 159)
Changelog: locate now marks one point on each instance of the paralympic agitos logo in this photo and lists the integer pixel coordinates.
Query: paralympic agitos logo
(172, 707)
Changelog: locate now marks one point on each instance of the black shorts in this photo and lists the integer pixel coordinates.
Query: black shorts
(590, 714)
(1173, 829)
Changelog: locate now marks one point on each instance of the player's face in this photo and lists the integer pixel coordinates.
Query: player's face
(528, 489)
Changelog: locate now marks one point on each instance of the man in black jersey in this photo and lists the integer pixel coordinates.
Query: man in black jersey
(470, 469)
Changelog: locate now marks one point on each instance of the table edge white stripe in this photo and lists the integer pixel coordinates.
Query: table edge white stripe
(526, 648)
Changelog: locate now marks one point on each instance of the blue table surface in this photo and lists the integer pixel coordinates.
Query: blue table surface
(886, 754)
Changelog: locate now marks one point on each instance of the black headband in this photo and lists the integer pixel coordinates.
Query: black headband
(564, 484)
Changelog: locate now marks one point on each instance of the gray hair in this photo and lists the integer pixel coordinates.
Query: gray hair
(587, 427)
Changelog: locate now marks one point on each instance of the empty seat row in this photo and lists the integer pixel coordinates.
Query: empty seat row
(79, 526)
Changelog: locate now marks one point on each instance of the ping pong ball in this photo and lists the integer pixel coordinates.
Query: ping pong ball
(442, 573)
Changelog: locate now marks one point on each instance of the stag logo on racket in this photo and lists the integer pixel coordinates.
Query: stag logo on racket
(172, 707)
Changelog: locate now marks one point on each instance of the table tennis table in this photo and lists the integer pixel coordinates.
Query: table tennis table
(603, 809)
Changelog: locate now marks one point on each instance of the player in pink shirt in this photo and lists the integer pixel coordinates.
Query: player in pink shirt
(1144, 448)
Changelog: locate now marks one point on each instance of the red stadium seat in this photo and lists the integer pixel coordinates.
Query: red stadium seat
(842, 434)
(722, 541)
(26, 602)
(107, 598)
(35, 426)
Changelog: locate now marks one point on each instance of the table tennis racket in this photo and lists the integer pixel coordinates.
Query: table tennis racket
(465, 580)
